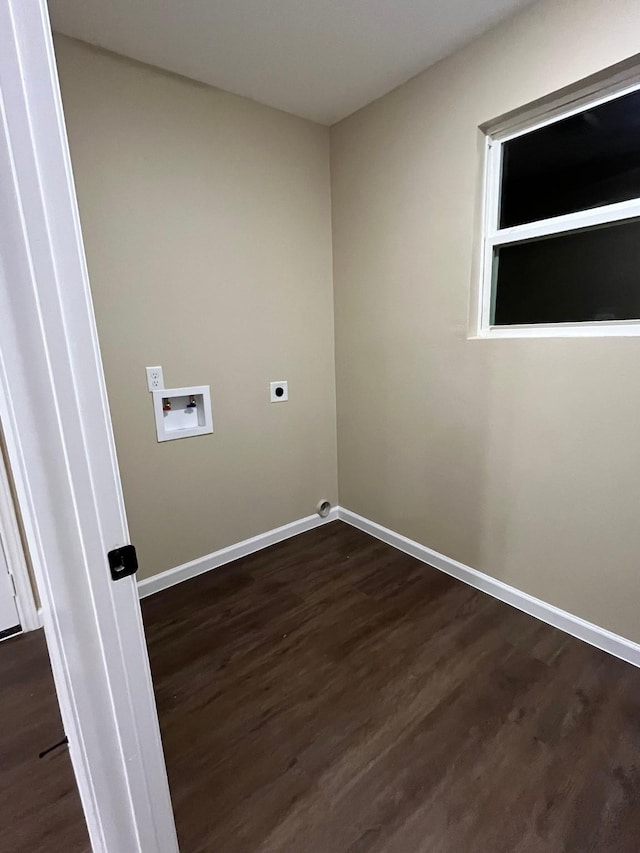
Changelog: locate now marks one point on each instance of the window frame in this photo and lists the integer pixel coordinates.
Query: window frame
(493, 236)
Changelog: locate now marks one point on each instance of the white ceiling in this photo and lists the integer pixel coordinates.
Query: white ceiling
(321, 59)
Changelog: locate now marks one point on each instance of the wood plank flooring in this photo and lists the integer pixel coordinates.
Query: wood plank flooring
(332, 695)
(40, 809)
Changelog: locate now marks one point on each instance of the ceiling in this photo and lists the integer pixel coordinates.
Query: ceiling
(320, 59)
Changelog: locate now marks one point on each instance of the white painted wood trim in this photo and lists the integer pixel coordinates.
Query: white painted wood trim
(555, 109)
(606, 214)
(14, 553)
(493, 237)
(609, 642)
(164, 580)
(596, 329)
(54, 411)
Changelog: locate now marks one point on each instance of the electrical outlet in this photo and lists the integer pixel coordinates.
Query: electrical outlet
(279, 391)
(155, 379)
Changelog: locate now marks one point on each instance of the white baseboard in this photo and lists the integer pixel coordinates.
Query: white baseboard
(567, 622)
(164, 580)
(594, 635)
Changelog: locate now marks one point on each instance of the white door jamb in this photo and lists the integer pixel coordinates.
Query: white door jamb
(55, 417)
(15, 556)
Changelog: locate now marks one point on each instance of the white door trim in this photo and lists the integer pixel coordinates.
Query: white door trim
(60, 446)
(14, 553)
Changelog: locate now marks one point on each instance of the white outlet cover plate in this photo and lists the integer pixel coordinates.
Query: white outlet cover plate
(279, 398)
(155, 379)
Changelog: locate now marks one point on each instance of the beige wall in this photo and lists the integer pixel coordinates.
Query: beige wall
(518, 457)
(207, 226)
(206, 219)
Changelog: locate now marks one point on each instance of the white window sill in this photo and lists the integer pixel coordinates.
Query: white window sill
(601, 329)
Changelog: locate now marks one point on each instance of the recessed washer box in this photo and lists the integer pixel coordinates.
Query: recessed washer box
(182, 412)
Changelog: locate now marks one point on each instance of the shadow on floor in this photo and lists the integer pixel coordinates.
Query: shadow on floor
(40, 809)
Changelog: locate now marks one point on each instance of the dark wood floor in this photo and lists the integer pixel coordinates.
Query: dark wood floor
(40, 809)
(332, 695)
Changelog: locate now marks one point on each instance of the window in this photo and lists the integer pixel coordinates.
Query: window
(561, 242)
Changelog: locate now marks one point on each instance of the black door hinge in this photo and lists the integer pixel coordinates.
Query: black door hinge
(123, 562)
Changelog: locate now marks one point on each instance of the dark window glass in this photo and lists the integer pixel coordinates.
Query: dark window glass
(587, 160)
(576, 277)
